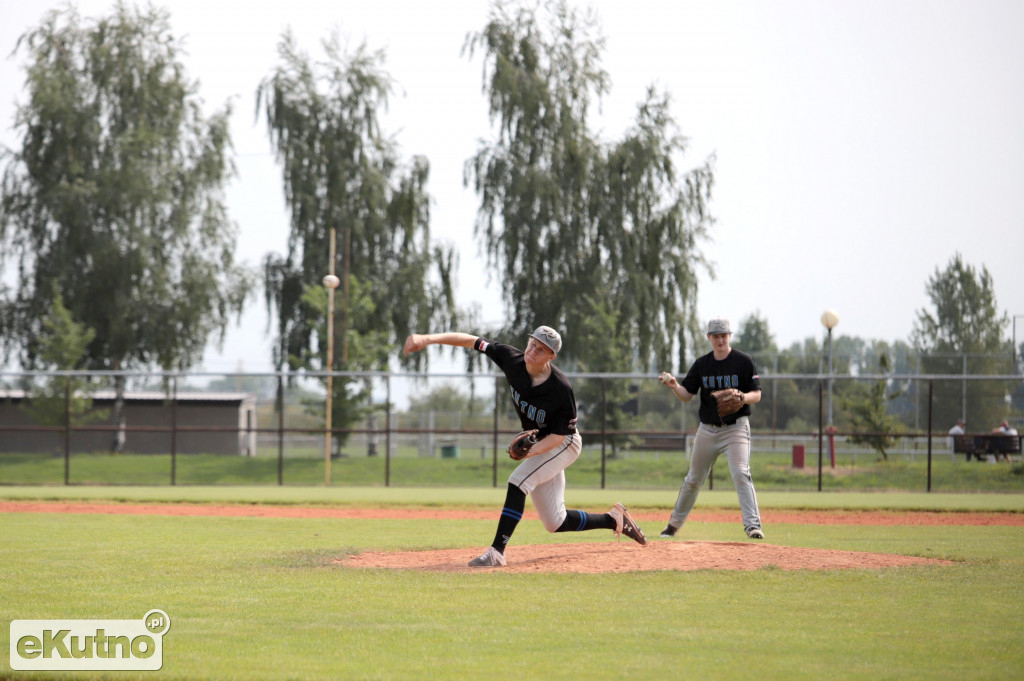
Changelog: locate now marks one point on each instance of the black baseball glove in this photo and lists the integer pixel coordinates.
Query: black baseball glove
(521, 444)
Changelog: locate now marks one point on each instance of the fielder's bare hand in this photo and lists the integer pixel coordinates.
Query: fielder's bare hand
(669, 380)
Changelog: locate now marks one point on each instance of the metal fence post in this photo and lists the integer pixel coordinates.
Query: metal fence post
(963, 397)
(174, 430)
(917, 397)
(280, 429)
(821, 430)
(494, 451)
(604, 427)
(67, 431)
(387, 434)
(929, 435)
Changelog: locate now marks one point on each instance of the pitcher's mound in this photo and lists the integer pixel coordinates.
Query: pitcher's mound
(631, 557)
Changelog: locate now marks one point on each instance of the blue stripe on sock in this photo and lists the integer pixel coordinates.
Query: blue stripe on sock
(583, 521)
(512, 513)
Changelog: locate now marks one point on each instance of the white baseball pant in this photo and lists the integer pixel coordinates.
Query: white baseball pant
(708, 444)
(543, 478)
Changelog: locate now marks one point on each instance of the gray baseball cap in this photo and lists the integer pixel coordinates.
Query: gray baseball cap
(549, 337)
(719, 325)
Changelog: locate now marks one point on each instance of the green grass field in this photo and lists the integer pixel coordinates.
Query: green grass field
(261, 598)
(651, 470)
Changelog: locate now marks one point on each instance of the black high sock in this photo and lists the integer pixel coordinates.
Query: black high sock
(511, 514)
(580, 521)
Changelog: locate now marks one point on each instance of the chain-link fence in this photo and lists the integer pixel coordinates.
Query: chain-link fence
(869, 432)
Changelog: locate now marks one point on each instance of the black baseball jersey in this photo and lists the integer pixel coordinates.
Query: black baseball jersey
(549, 407)
(709, 374)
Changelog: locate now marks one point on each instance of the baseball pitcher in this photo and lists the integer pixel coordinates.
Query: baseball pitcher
(548, 444)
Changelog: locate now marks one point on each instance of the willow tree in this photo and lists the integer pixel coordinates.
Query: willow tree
(342, 174)
(598, 239)
(577, 226)
(115, 198)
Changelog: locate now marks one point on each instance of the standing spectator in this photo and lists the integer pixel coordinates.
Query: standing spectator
(954, 432)
(722, 368)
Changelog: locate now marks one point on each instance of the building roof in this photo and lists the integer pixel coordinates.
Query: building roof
(15, 394)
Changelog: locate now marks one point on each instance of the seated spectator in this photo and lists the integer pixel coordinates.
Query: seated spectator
(1006, 429)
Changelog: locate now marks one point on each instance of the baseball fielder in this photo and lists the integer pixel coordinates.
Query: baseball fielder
(728, 384)
(550, 443)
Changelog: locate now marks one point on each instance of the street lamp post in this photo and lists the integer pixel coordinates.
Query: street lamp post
(829, 319)
(330, 282)
(1013, 403)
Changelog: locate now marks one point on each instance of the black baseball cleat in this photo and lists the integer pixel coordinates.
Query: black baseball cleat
(624, 524)
(669, 531)
(755, 533)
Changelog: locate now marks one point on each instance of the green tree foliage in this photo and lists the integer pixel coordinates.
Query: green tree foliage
(350, 401)
(116, 196)
(797, 400)
(963, 333)
(606, 404)
(900, 355)
(447, 406)
(342, 173)
(61, 347)
(754, 337)
(866, 409)
(562, 214)
(448, 398)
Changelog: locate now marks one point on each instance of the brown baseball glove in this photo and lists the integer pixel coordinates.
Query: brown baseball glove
(521, 444)
(729, 401)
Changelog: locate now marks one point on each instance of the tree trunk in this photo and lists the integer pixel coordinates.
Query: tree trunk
(371, 424)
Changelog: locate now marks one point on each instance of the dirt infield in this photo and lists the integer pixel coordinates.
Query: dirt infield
(769, 517)
(627, 556)
(588, 557)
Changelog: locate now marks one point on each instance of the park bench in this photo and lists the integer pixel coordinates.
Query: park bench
(1004, 444)
(964, 444)
(980, 446)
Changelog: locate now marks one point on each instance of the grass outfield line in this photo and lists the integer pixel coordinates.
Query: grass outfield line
(492, 497)
(262, 598)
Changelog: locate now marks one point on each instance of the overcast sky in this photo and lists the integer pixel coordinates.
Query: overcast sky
(859, 145)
